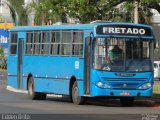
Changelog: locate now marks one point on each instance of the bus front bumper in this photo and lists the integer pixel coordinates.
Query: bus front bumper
(96, 91)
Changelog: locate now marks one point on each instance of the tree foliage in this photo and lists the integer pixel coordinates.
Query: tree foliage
(90, 10)
(16, 6)
(126, 13)
(1, 52)
(47, 10)
(154, 4)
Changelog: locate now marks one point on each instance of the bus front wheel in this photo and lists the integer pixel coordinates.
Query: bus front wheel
(127, 101)
(32, 94)
(78, 100)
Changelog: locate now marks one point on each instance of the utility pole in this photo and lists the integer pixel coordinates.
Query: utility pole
(136, 15)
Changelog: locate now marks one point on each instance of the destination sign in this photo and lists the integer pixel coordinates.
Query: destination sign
(129, 30)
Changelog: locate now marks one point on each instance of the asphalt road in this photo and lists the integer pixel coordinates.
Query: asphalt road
(12, 103)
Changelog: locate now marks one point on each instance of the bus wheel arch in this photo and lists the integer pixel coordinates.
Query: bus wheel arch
(78, 100)
(72, 80)
(29, 75)
(32, 94)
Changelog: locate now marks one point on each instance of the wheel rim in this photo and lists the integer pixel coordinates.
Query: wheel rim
(75, 92)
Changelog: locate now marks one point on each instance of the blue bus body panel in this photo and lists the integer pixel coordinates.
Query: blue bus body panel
(116, 83)
(12, 71)
(54, 27)
(117, 93)
(55, 73)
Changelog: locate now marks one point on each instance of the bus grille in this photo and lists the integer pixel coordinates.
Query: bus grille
(125, 83)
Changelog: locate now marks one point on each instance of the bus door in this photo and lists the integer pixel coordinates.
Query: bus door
(87, 58)
(21, 37)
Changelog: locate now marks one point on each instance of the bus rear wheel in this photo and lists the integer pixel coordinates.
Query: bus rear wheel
(127, 101)
(42, 96)
(32, 94)
(78, 100)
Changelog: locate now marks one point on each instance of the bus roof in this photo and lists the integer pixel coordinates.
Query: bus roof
(72, 26)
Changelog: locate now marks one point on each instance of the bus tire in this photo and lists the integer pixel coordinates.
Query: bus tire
(32, 94)
(127, 101)
(42, 96)
(78, 100)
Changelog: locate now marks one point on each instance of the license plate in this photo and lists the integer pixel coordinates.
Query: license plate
(125, 93)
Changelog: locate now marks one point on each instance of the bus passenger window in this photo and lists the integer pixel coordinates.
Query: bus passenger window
(29, 41)
(77, 43)
(13, 45)
(55, 43)
(45, 43)
(36, 44)
(66, 43)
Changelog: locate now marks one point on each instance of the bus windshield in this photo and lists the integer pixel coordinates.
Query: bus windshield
(123, 54)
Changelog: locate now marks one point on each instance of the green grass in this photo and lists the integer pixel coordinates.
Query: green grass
(156, 89)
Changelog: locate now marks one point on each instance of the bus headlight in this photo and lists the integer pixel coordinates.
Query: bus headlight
(102, 85)
(145, 86)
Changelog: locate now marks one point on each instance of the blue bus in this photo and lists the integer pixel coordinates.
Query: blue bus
(105, 59)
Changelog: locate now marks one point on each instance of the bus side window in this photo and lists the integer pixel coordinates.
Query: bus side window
(77, 43)
(55, 43)
(45, 43)
(29, 41)
(53, 50)
(66, 43)
(13, 44)
(37, 41)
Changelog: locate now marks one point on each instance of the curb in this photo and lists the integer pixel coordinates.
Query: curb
(9, 88)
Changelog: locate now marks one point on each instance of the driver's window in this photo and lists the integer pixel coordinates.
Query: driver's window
(115, 50)
(108, 51)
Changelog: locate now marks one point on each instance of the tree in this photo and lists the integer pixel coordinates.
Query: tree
(1, 52)
(17, 10)
(125, 13)
(89, 10)
(49, 10)
(153, 4)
